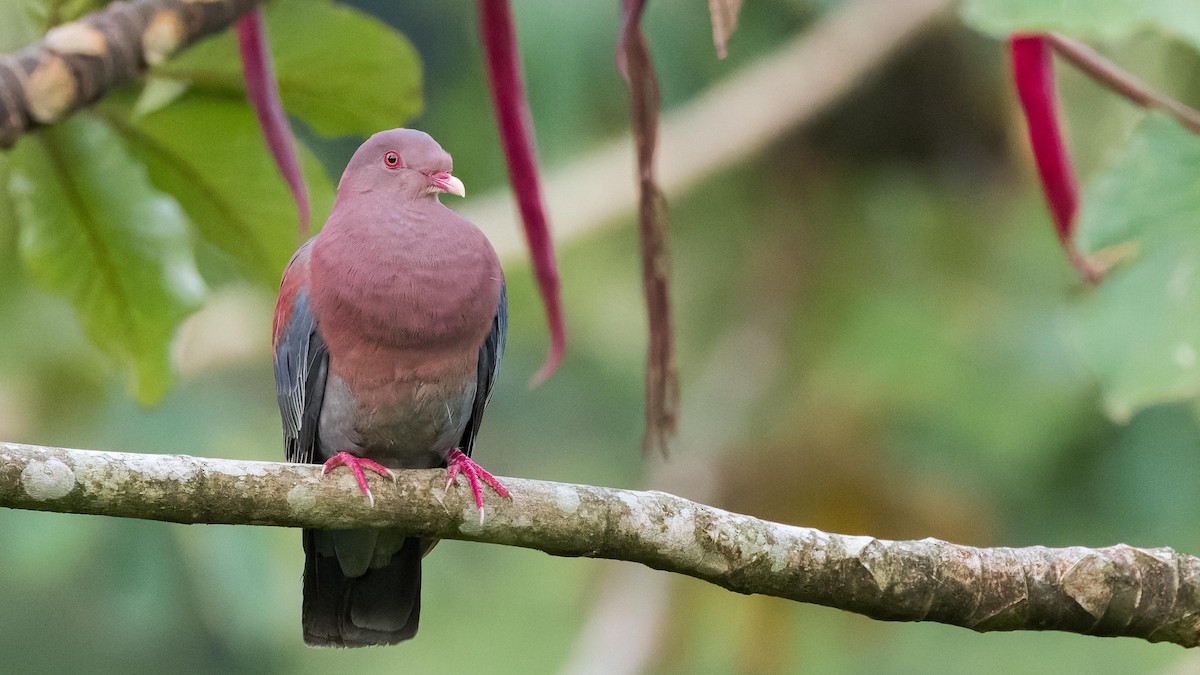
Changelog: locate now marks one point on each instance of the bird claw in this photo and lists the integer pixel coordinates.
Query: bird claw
(457, 463)
(357, 464)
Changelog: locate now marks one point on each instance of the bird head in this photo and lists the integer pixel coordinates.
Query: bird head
(404, 162)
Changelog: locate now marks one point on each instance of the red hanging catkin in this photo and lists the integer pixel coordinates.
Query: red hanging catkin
(263, 92)
(1033, 72)
(502, 59)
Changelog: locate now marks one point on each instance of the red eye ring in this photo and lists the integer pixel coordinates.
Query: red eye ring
(391, 159)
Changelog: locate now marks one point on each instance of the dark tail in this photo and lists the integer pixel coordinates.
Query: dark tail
(382, 607)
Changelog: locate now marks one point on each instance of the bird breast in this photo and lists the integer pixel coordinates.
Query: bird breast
(404, 303)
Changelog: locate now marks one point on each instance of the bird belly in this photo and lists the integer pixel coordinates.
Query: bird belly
(413, 425)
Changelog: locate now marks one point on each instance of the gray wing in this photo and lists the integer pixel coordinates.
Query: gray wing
(301, 369)
(490, 355)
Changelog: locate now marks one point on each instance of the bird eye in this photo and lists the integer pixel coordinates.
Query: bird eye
(391, 159)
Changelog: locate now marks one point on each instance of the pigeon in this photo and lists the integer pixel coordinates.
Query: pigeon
(388, 336)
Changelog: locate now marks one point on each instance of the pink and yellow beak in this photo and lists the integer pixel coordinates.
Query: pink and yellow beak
(442, 181)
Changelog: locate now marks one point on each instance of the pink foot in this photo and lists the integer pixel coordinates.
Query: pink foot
(357, 464)
(460, 463)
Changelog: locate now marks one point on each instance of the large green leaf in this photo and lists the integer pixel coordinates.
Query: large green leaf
(209, 153)
(1139, 331)
(1104, 19)
(8, 217)
(94, 230)
(17, 28)
(341, 71)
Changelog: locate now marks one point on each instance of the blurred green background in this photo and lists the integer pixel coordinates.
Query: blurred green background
(873, 338)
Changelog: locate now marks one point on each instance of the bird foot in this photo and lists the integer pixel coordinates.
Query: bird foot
(357, 464)
(457, 462)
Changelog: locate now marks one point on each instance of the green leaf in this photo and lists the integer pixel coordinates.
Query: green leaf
(1139, 331)
(17, 28)
(158, 93)
(342, 72)
(8, 215)
(9, 266)
(94, 230)
(209, 153)
(1102, 19)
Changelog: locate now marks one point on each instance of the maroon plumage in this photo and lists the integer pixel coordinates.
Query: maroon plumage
(389, 333)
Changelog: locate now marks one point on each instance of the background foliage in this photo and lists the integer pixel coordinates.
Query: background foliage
(935, 370)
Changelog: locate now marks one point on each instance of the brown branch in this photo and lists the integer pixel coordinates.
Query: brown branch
(1153, 594)
(77, 63)
(1124, 83)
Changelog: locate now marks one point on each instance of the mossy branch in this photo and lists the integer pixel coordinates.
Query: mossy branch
(1153, 594)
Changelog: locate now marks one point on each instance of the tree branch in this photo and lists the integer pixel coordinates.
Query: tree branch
(78, 63)
(1116, 591)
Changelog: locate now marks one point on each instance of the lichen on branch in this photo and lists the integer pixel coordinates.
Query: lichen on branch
(78, 63)
(1120, 590)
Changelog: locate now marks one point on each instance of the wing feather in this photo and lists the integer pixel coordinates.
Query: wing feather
(491, 353)
(301, 362)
